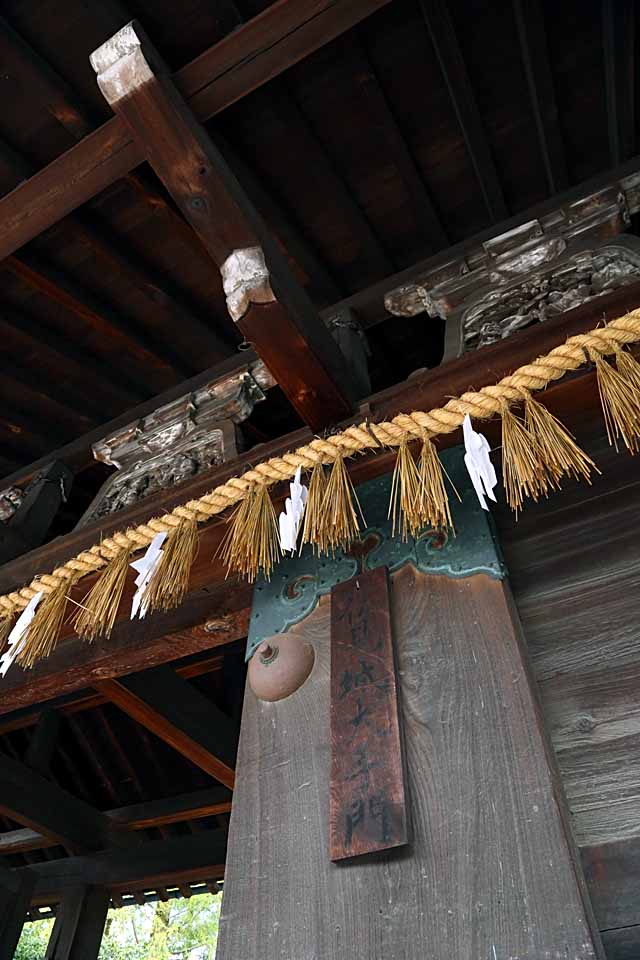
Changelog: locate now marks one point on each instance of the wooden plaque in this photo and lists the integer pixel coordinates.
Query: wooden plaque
(367, 800)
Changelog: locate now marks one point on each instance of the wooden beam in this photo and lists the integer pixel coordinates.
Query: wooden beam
(454, 71)
(284, 328)
(43, 743)
(618, 40)
(79, 925)
(225, 604)
(529, 18)
(282, 35)
(29, 525)
(179, 714)
(199, 856)
(184, 808)
(37, 803)
(14, 904)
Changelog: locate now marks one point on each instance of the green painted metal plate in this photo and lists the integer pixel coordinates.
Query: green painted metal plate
(297, 582)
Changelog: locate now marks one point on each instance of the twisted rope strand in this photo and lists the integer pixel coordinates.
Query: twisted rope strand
(481, 405)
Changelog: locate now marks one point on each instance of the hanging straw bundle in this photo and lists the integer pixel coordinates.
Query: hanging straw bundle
(404, 494)
(557, 450)
(522, 467)
(97, 613)
(44, 631)
(620, 399)
(6, 623)
(170, 581)
(431, 507)
(339, 516)
(251, 544)
(314, 527)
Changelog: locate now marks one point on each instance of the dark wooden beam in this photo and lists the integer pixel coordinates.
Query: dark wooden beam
(43, 742)
(454, 71)
(79, 925)
(225, 604)
(282, 35)
(285, 328)
(210, 802)
(180, 859)
(179, 714)
(618, 40)
(119, 256)
(529, 18)
(30, 799)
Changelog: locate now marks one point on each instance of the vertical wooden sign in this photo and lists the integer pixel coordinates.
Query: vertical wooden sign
(367, 800)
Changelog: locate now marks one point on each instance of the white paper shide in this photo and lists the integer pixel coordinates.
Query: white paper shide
(145, 567)
(18, 635)
(478, 463)
(290, 520)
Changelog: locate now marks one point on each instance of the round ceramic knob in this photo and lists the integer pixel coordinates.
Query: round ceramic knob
(279, 667)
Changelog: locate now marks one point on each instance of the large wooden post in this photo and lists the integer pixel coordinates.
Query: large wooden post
(77, 932)
(490, 870)
(15, 896)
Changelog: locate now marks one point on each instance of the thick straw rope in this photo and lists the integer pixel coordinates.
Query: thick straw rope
(481, 405)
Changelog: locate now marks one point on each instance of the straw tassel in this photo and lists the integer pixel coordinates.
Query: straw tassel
(405, 488)
(620, 400)
(6, 622)
(251, 544)
(44, 631)
(340, 518)
(314, 527)
(168, 585)
(431, 507)
(97, 614)
(557, 450)
(522, 467)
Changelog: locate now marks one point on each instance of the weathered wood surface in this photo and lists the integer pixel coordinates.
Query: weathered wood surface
(367, 811)
(574, 563)
(484, 805)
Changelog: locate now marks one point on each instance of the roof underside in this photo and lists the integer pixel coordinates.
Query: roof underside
(356, 157)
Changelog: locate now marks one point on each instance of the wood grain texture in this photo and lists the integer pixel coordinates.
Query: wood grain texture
(574, 562)
(367, 811)
(485, 806)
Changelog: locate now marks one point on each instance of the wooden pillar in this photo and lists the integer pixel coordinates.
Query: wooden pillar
(15, 897)
(77, 932)
(491, 869)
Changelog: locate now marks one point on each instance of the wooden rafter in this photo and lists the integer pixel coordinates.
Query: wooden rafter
(535, 57)
(284, 328)
(285, 33)
(179, 714)
(618, 40)
(30, 799)
(454, 71)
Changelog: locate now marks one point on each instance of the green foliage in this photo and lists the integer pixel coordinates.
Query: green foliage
(175, 930)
